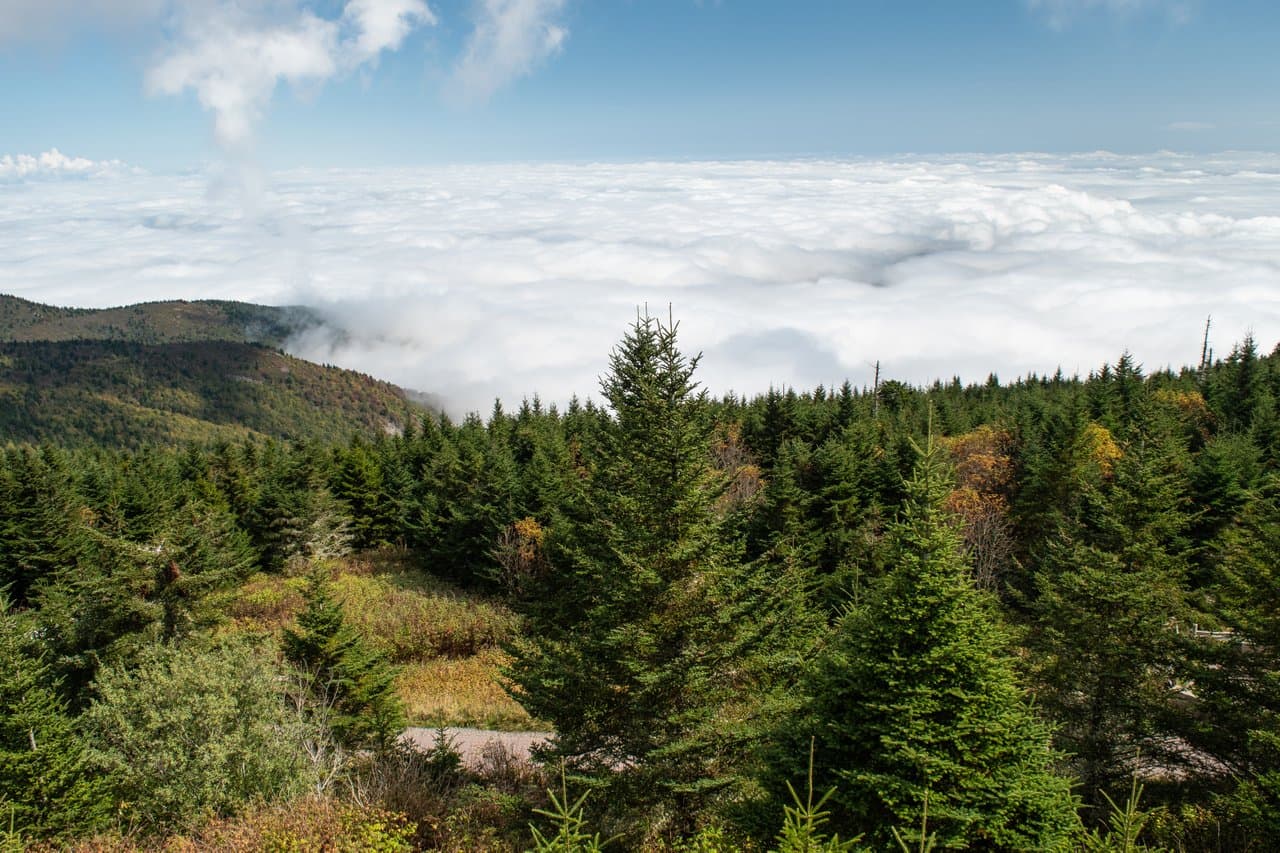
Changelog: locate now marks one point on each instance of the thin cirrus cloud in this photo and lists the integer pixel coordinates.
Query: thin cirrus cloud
(500, 281)
(511, 38)
(1062, 13)
(234, 54)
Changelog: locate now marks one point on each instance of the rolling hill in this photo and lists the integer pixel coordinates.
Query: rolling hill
(171, 322)
(176, 371)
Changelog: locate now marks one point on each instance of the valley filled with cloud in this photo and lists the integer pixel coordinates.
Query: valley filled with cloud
(505, 280)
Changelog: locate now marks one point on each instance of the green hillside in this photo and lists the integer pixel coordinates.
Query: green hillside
(176, 321)
(128, 394)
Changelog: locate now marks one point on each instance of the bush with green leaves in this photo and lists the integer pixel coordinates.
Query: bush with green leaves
(305, 824)
(194, 732)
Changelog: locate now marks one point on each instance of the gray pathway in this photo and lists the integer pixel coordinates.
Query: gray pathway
(471, 743)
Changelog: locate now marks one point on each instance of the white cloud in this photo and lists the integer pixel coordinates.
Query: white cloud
(54, 164)
(233, 55)
(382, 25)
(511, 37)
(475, 282)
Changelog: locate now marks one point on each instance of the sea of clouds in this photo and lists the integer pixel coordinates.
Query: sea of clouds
(476, 282)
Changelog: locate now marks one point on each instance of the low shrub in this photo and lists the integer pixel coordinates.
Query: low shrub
(307, 824)
(408, 615)
(195, 732)
(268, 601)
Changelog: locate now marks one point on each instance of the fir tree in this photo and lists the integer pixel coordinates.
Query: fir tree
(649, 654)
(1237, 680)
(359, 484)
(915, 697)
(35, 515)
(1109, 591)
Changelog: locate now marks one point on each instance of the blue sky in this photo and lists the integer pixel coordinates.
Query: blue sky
(816, 185)
(673, 79)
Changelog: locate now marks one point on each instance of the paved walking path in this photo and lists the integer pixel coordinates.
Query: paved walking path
(471, 743)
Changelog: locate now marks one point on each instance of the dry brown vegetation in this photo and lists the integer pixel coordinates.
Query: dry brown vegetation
(307, 824)
(447, 642)
(462, 692)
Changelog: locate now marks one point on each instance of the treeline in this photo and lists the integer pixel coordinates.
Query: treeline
(975, 614)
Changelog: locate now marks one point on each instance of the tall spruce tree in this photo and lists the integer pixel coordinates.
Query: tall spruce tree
(1237, 677)
(648, 653)
(915, 699)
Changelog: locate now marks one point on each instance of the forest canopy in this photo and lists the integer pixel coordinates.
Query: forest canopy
(973, 616)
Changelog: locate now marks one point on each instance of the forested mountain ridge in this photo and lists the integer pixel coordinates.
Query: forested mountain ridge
(126, 394)
(176, 321)
(976, 614)
(176, 371)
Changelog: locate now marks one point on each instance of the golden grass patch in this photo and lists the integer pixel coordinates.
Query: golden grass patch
(446, 641)
(411, 623)
(462, 692)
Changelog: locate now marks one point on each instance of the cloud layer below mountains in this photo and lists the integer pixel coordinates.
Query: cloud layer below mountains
(484, 281)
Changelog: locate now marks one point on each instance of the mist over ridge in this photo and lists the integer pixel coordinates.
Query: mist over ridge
(477, 282)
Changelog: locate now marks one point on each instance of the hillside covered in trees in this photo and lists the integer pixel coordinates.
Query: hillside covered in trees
(127, 395)
(165, 372)
(1007, 616)
(153, 322)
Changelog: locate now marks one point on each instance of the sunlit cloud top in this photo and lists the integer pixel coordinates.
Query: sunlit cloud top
(503, 281)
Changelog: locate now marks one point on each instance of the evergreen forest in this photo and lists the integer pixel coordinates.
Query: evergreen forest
(1039, 614)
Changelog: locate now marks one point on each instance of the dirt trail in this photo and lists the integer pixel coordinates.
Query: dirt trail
(471, 743)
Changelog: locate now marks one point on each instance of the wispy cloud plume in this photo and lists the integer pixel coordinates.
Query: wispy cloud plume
(234, 55)
(476, 282)
(510, 39)
(382, 25)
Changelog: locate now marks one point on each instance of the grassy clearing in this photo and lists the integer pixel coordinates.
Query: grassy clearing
(446, 641)
(462, 692)
(412, 623)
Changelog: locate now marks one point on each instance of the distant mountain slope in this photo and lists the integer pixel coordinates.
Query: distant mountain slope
(126, 394)
(153, 322)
